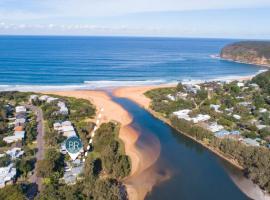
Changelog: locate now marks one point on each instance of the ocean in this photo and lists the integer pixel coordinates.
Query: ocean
(59, 62)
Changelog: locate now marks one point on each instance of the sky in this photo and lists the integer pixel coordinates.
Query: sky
(168, 18)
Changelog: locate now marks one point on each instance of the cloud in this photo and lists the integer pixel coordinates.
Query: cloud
(51, 9)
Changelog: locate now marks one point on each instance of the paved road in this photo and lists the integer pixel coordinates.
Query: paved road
(40, 145)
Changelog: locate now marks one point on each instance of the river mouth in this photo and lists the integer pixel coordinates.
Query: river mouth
(180, 168)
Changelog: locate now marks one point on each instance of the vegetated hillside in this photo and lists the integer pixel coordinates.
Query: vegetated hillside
(252, 52)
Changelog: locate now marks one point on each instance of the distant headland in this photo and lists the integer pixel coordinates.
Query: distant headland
(251, 52)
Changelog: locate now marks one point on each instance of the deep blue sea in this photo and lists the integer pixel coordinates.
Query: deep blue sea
(87, 62)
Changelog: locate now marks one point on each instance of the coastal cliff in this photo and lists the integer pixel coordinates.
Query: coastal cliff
(251, 52)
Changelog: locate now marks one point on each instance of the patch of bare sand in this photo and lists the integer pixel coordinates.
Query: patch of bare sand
(136, 93)
(143, 175)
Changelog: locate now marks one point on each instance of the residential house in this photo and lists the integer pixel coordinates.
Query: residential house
(70, 176)
(43, 97)
(51, 99)
(171, 97)
(63, 109)
(215, 107)
(7, 174)
(222, 133)
(20, 109)
(33, 97)
(18, 136)
(181, 95)
(238, 117)
(251, 142)
(15, 152)
(183, 114)
(215, 127)
(240, 84)
(200, 118)
(20, 121)
(192, 88)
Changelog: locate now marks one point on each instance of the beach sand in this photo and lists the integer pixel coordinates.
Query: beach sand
(143, 175)
(136, 93)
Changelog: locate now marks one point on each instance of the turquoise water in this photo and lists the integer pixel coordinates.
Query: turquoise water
(87, 62)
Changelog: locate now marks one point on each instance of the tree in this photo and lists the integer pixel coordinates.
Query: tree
(179, 87)
(5, 160)
(12, 192)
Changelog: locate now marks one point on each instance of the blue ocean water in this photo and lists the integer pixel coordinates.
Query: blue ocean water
(109, 61)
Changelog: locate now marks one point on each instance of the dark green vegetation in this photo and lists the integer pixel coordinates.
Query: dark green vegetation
(5, 160)
(254, 160)
(104, 169)
(263, 80)
(12, 192)
(253, 52)
(251, 102)
(110, 151)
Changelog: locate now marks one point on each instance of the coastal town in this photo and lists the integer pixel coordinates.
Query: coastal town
(231, 118)
(34, 128)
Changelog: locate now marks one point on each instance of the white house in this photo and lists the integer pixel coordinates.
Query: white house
(261, 126)
(43, 97)
(18, 135)
(57, 126)
(200, 118)
(181, 95)
(215, 107)
(251, 142)
(15, 152)
(63, 109)
(7, 174)
(240, 84)
(192, 88)
(51, 99)
(171, 97)
(20, 109)
(238, 117)
(245, 103)
(263, 110)
(66, 123)
(183, 114)
(66, 128)
(33, 97)
(215, 127)
(69, 133)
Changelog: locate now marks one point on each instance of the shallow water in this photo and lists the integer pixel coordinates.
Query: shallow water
(195, 173)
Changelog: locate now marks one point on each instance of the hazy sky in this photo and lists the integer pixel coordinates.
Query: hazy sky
(183, 18)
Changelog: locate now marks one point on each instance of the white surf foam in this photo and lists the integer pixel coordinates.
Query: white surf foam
(87, 85)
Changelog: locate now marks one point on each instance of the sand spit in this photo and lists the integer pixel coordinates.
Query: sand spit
(143, 174)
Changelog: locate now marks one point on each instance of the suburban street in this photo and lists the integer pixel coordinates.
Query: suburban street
(37, 181)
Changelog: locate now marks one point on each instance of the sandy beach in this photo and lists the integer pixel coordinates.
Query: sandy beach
(142, 177)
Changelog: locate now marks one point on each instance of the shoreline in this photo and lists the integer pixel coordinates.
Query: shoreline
(137, 96)
(113, 85)
(141, 159)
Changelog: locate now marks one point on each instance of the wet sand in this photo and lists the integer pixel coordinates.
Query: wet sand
(143, 174)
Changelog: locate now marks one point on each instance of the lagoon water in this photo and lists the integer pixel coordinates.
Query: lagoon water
(195, 172)
(89, 62)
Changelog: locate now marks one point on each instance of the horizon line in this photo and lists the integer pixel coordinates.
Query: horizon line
(132, 36)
